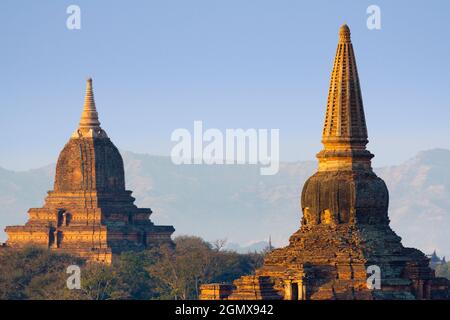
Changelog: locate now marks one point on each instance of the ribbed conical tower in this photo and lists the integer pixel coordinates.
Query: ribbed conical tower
(89, 212)
(345, 132)
(344, 120)
(345, 225)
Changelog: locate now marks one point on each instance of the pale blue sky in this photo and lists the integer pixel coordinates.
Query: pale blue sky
(160, 65)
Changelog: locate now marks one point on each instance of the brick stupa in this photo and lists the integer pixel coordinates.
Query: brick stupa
(345, 225)
(89, 212)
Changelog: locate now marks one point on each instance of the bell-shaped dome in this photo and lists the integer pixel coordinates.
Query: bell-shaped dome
(344, 197)
(89, 164)
(89, 161)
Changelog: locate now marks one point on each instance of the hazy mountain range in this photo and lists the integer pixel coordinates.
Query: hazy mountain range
(238, 204)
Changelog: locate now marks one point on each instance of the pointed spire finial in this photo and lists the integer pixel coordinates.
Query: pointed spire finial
(344, 33)
(89, 118)
(89, 123)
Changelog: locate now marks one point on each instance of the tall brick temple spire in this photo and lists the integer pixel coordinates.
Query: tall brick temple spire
(344, 132)
(89, 122)
(89, 118)
(344, 225)
(334, 194)
(344, 119)
(89, 212)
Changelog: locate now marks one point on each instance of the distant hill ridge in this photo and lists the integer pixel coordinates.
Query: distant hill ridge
(237, 203)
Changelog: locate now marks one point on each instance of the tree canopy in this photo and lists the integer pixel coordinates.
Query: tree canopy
(166, 272)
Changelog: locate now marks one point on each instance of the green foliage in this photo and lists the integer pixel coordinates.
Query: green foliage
(126, 278)
(34, 273)
(167, 272)
(183, 268)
